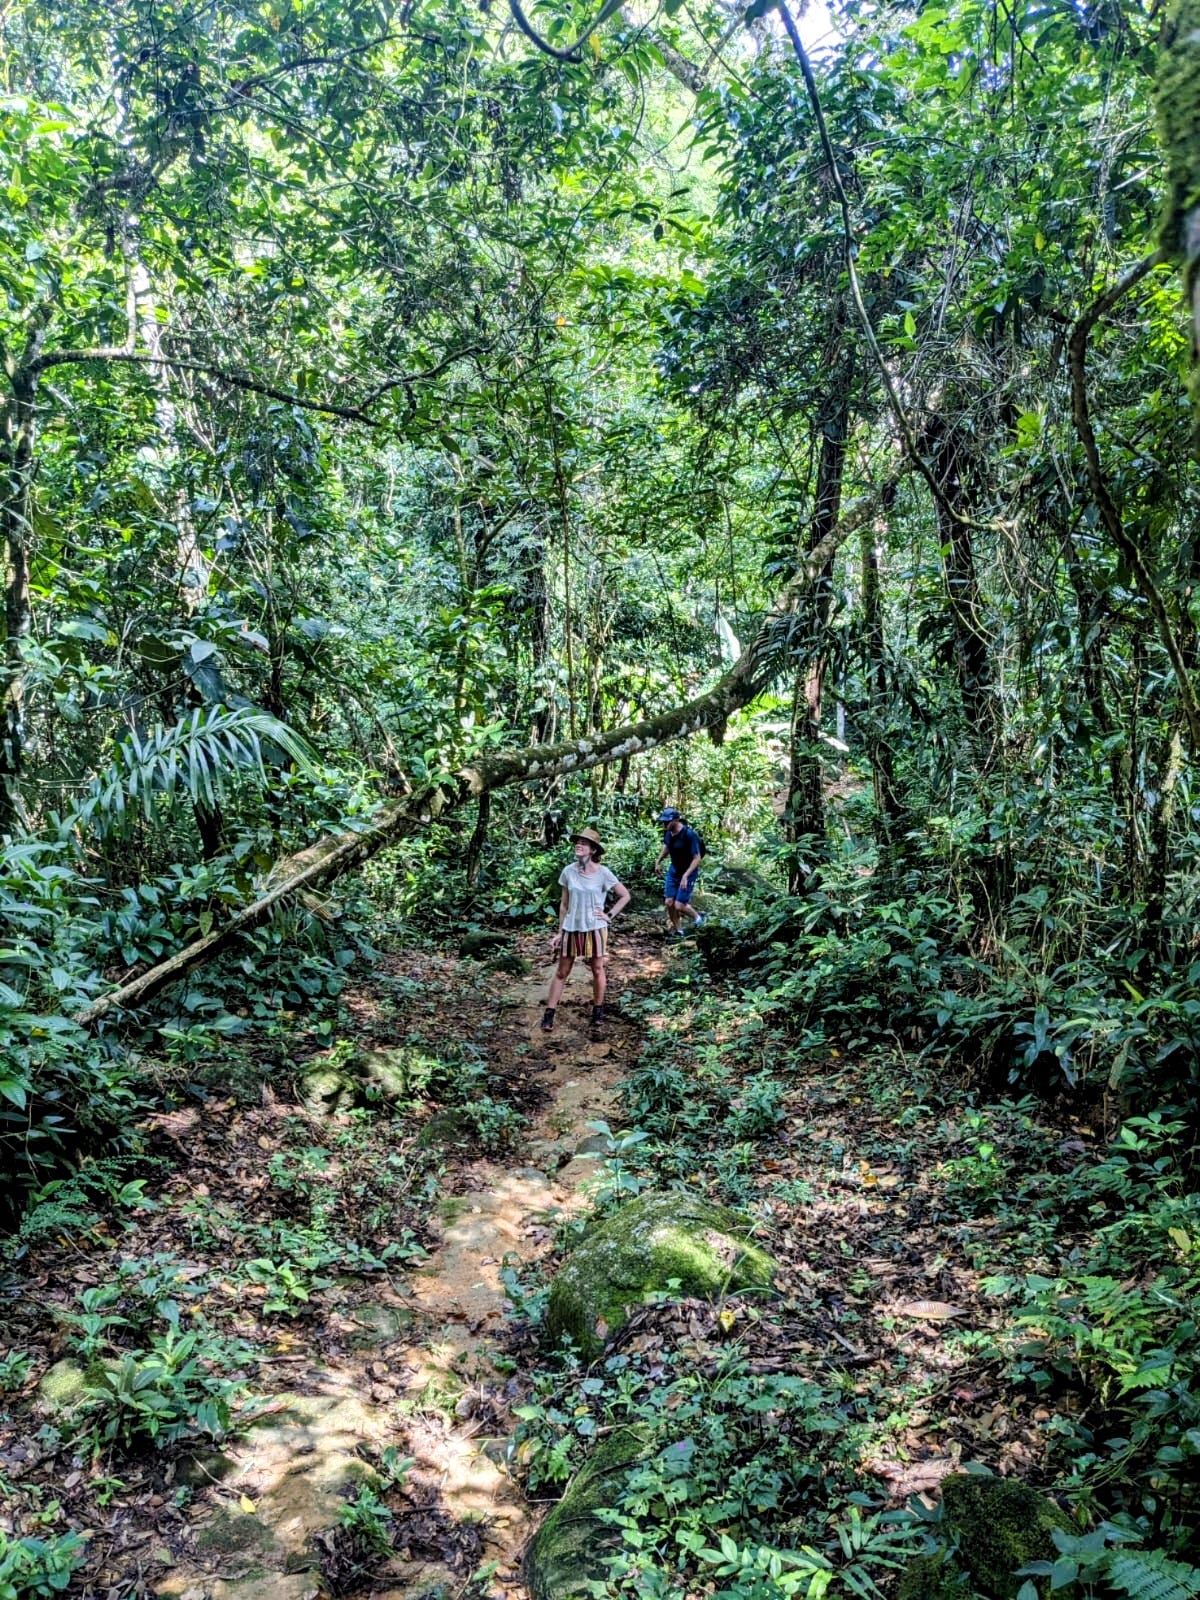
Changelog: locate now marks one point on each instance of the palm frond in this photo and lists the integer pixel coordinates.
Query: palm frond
(193, 757)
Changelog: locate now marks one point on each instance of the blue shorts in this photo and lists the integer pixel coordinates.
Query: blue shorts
(674, 890)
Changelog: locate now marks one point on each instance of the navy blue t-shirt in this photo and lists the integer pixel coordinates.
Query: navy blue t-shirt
(682, 847)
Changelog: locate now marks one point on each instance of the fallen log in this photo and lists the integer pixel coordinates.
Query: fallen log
(335, 854)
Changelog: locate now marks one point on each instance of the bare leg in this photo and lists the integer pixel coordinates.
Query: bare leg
(599, 980)
(672, 915)
(559, 982)
(689, 910)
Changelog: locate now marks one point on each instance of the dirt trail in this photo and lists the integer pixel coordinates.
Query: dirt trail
(427, 1347)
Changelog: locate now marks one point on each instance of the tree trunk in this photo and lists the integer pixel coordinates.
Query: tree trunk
(889, 807)
(1167, 772)
(18, 422)
(972, 647)
(1178, 99)
(478, 839)
(804, 811)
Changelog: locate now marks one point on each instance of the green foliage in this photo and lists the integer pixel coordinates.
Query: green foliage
(1122, 1330)
(288, 1287)
(34, 1569)
(725, 1457)
(172, 1390)
(193, 758)
(1104, 1562)
(14, 1369)
(368, 1521)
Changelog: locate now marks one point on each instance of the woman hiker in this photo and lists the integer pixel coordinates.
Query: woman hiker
(583, 922)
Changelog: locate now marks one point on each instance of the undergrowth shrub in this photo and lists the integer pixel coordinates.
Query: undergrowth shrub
(35, 1569)
(1120, 1333)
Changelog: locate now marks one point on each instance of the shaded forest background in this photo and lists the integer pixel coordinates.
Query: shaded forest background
(391, 387)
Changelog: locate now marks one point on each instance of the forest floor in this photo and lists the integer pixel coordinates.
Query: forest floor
(356, 1274)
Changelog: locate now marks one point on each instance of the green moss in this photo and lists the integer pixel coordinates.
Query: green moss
(235, 1533)
(933, 1578)
(569, 1548)
(1000, 1524)
(656, 1240)
(63, 1386)
(480, 943)
(1177, 97)
(444, 1127)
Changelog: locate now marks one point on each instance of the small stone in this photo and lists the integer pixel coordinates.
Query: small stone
(596, 1144)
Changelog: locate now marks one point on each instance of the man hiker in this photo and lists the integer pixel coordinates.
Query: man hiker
(683, 850)
(583, 922)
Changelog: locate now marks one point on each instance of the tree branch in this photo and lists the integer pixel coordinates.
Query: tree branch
(238, 380)
(522, 21)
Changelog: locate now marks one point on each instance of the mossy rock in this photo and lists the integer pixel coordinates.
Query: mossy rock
(482, 944)
(999, 1524)
(385, 1070)
(509, 961)
(445, 1127)
(63, 1386)
(658, 1239)
(567, 1553)
(368, 1078)
(235, 1533)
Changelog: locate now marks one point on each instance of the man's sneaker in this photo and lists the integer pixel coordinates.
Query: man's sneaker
(597, 1016)
(675, 933)
(701, 919)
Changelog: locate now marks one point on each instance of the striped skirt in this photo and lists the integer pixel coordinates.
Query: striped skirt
(588, 945)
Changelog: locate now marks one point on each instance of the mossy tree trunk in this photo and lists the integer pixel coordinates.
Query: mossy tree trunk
(1178, 99)
(804, 812)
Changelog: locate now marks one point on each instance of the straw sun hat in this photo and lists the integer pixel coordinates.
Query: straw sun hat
(592, 837)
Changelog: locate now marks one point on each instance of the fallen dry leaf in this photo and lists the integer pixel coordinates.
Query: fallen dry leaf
(930, 1310)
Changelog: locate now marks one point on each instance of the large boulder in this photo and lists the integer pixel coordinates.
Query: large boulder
(663, 1241)
(566, 1555)
(999, 1525)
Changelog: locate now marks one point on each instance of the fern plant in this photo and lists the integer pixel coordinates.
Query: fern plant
(1102, 1563)
(194, 758)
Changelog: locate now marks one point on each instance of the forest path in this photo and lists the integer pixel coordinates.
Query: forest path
(424, 1369)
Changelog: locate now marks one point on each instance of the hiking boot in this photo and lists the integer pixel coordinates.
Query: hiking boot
(547, 1020)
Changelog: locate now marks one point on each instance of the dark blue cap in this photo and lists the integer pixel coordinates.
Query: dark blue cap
(669, 814)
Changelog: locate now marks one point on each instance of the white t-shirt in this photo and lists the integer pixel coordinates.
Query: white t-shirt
(587, 891)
